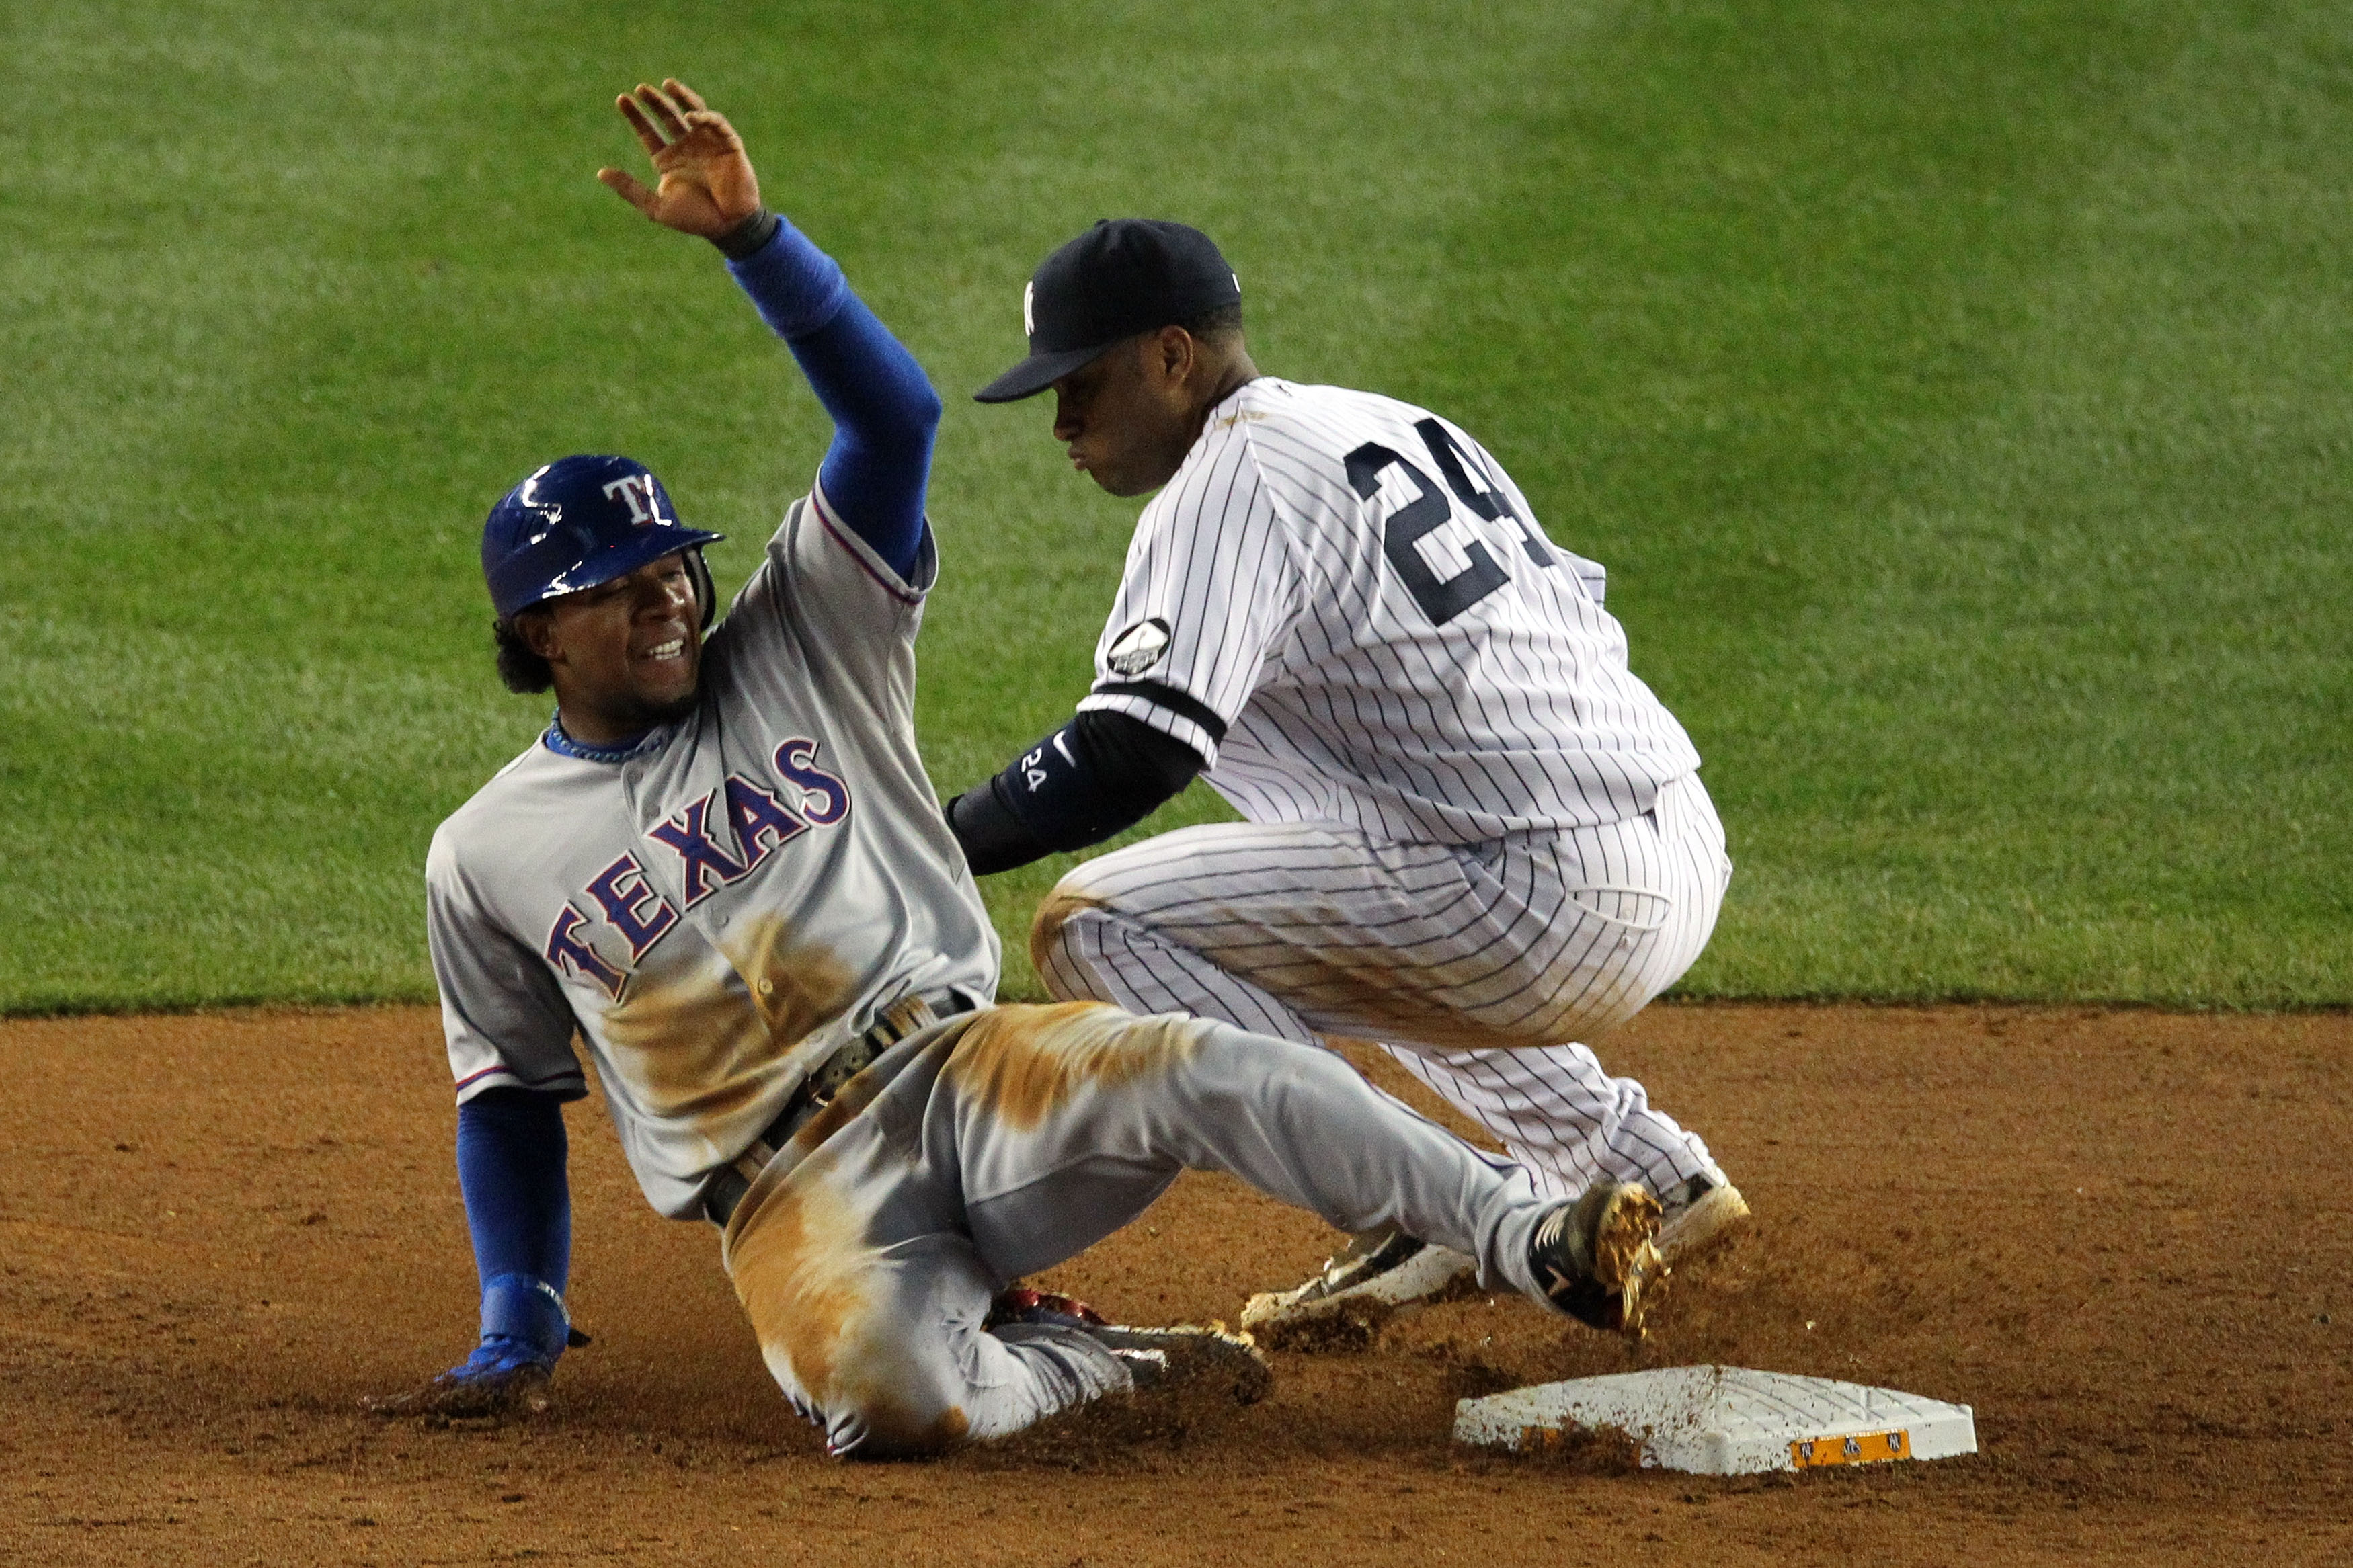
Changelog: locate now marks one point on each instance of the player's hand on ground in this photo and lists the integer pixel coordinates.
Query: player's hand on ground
(503, 1377)
(707, 187)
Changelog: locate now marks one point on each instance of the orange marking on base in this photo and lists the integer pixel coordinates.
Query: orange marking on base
(1861, 1449)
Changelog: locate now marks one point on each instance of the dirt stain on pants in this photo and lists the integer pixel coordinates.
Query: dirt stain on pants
(809, 1276)
(1020, 1063)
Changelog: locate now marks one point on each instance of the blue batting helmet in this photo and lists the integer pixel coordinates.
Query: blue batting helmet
(579, 522)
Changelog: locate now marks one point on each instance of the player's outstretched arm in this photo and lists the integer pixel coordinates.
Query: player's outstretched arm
(512, 1155)
(883, 408)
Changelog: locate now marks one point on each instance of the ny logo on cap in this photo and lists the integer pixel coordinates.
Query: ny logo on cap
(1030, 309)
(636, 491)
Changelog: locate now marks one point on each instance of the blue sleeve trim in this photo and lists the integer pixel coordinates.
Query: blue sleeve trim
(568, 1077)
(885, 412)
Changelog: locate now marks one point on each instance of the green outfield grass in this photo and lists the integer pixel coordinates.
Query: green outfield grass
(1958, 393)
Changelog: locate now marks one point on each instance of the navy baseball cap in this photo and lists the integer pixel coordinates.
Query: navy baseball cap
(1122, 277)
(575, 522)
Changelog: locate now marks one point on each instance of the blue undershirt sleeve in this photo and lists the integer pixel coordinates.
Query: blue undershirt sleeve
(884, 411)
(510, 1165)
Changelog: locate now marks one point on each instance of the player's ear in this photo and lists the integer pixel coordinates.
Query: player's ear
(704, 597)
(537, 629)
(1172, 355)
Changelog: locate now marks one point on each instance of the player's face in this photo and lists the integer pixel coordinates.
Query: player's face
(625, 654)
(1127, 418)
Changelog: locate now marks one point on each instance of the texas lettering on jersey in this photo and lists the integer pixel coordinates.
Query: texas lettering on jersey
(632, 908)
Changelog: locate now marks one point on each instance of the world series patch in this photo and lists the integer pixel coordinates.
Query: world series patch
(1139, 647)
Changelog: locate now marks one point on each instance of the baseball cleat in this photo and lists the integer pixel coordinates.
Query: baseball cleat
(1699, 1215)
(1374, 1274)
(1595, 1257)
(1187, 1355)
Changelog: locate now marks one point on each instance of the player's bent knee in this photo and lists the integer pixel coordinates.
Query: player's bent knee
(894, 1426)
(1054, 950)
(891, 1391)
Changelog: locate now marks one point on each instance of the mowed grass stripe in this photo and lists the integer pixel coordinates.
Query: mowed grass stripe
(2093, 647)
(1951, 390)
(1938, 410)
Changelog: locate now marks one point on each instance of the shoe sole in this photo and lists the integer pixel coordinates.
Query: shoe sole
(1704, 1226)
(1433, 1274)
(1626, 1254)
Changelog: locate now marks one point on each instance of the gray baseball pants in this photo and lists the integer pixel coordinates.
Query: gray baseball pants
(1000, 1144)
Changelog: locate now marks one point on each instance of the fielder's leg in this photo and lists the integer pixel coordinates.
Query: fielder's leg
(1470, 962)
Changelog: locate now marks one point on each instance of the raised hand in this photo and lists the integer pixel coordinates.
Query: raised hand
(707, 187)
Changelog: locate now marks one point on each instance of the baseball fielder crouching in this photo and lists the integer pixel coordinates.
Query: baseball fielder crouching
(723, 868)
(1473, 835)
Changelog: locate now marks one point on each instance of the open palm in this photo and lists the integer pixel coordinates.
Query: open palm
(707, 187)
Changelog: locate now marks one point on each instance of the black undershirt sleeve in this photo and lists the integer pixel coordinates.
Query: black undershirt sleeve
(1096, 774)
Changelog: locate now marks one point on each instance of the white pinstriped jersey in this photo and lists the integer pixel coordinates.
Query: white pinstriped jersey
(1347, 608)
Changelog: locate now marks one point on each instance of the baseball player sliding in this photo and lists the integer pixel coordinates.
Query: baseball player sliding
(723, 868)
(1472, 834)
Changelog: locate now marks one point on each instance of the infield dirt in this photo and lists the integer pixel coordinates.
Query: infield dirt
(2125, 1239)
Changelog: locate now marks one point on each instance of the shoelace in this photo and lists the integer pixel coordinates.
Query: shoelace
(1547, 1245)
(1548, 1230)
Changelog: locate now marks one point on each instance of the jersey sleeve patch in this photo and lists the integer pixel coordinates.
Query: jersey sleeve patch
(1138, 649)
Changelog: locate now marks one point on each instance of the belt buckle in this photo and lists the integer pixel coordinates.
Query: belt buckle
(899, 1020)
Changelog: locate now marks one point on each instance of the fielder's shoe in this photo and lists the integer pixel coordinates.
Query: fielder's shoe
(1595, 1257)
(1373, 1274)
(1699, 1212)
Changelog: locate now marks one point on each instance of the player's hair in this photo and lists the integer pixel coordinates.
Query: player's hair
(523, 670)
(1215, 326)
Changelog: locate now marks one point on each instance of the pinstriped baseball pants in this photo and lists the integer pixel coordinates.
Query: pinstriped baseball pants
(1477, 966)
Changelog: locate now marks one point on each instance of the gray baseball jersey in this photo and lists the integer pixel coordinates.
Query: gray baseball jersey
(743, 893)
(1346, 606)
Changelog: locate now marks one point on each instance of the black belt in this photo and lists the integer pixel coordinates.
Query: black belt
(732, 1180)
